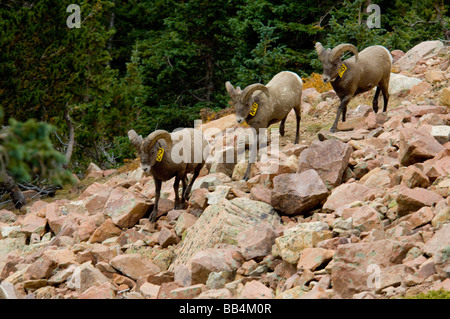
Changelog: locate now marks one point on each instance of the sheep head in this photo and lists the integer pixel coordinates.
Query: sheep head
(148, 148)
(331, 59)
(243, 100)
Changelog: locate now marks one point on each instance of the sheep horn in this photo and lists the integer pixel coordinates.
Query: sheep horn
(341, 48)
(231, 90)
(136, 140)
(153, 137)
(248, 91)
(319, 48)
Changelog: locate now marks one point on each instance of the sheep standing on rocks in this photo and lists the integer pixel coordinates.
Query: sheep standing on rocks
(166, 155)
(263, 105)
(357, 74)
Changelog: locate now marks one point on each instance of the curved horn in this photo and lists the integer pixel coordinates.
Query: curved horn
(136, 140)
(231, 90)
(153, 137)
(319, 48)
(341, 48)
(248, 91)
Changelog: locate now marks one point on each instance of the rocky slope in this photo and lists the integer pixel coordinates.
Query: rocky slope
(361, 213)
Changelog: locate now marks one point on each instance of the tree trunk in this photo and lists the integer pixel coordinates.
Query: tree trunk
(7, 183)
(71, 142)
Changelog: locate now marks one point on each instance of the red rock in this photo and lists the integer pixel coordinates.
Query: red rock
(397, 54)
(166, 288)
(129, 236)
(426, 269)
(189, 292)
(294, 149)
(213, 260)
(61, 257)
(86, 276)
(7, 216)
(438, 166)
(104, 291)
(416, 146)
(365, 218)
(414, 177)
(55, 217)
(312, 258)
(33, 224)
(347, 194)
(315, 293)
(42, 268)
(298, 193)
(149, 291)
(420, 110)
(329, 158)
(419, 218)
(167, 237)
(198, 198)
(126, 208)
(256, 290)
(350, 271)
(420, 88)
(184, 222)
(9, 266)
(93, 171)
(261, 194)
(134, 265)
(97, 201)
(256, 241)
(410, 200)
(106, 230)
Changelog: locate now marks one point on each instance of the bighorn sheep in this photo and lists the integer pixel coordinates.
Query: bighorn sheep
(263, 105)
(357, 74)
(166, 155)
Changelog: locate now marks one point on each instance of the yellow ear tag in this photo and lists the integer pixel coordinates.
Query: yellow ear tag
(342, 70)
(160, 154)
(254, 109)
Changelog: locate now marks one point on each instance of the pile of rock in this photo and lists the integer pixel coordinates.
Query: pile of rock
(361, 213)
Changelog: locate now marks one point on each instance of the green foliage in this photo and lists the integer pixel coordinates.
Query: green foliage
(432, 294)
(26, 152)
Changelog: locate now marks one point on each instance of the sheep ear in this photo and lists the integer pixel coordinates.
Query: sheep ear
(231, 90)
(136, 140)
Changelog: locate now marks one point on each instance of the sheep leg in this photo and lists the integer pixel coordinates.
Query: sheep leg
(344, 112)
(344, 103)
(283, 121)
(298, 115)
(375, 100)
(183, 193)
(176, 187)
(154, 213)
(194, 177)
(385, 92)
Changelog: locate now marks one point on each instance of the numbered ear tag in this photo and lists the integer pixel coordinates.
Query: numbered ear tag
(254, 109)
(342, 70)
(160, 154)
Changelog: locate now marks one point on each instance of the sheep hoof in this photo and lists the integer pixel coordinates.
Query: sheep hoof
(333, 130)
(153, 215)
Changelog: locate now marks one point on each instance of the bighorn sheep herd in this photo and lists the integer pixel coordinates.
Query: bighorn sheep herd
(166, 155)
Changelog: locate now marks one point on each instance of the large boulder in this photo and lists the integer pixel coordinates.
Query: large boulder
(299, 237)
(329, 158)
(346, 194)
(355, 265)
(222, 223)
(298, 193)
(126, 208)
(421, 51)
(398, 83)
(416, 146)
